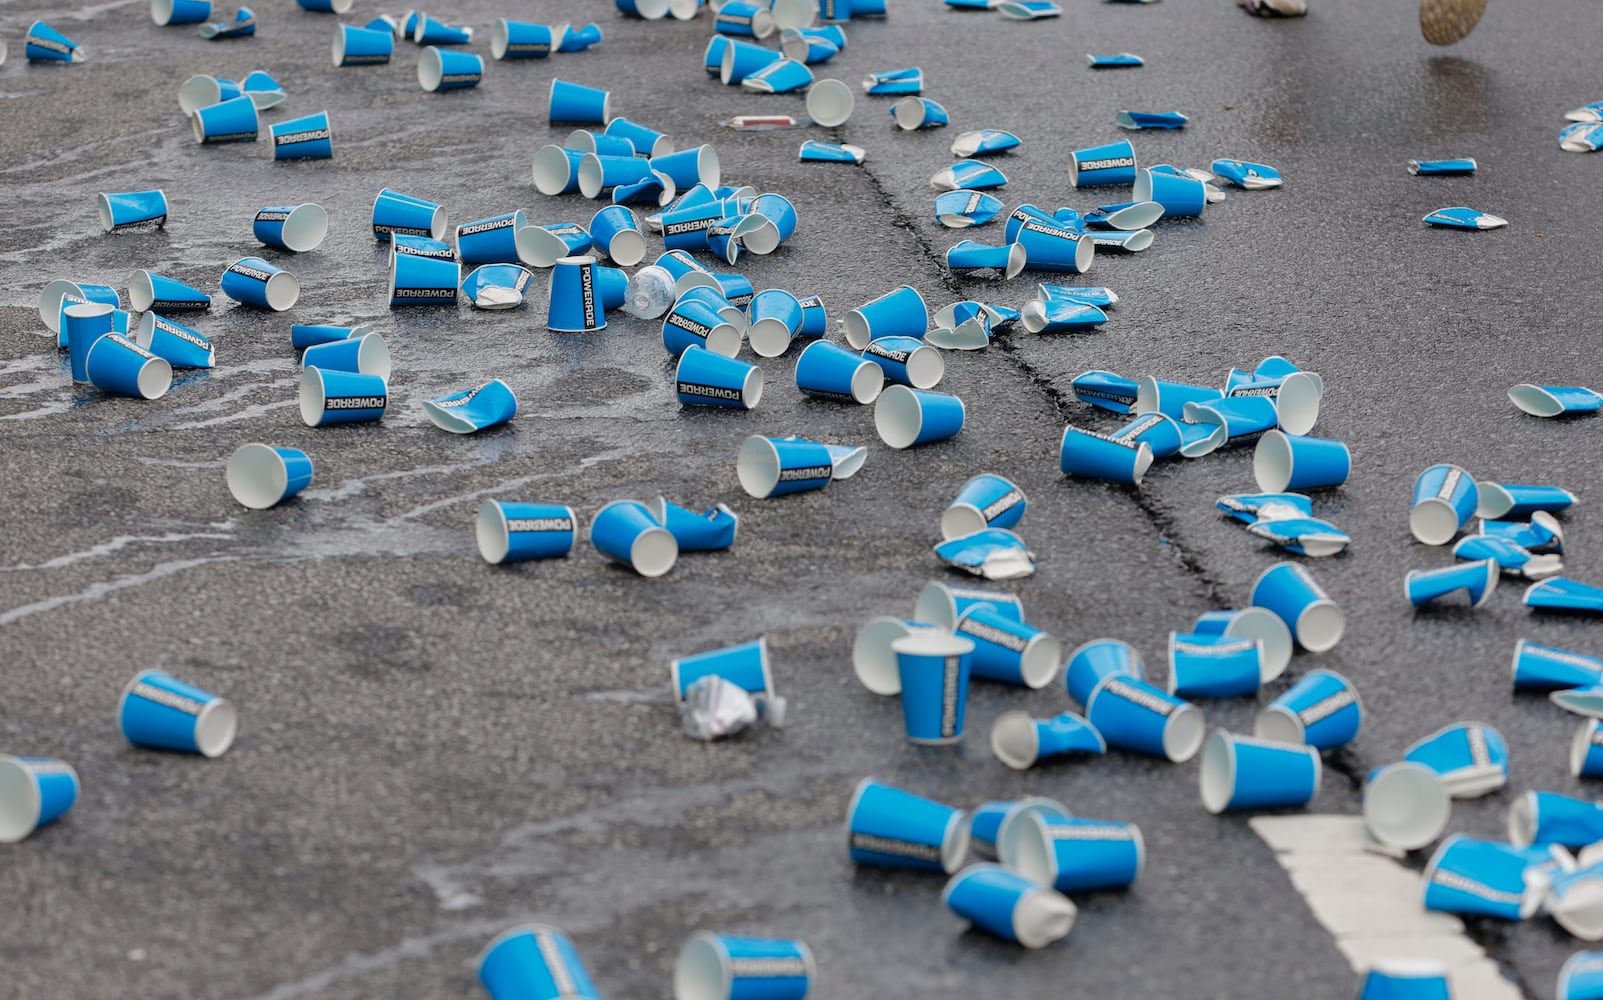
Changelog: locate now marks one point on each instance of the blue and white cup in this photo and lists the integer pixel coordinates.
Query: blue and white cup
(261, 476)
(302, 336)
(233, 120)
(43, 43)
(616, 232)
(1100, 456)
(1051, 246)
(556, 169)
(447, 69)
(1181, 197)
(901, 313)
(1322, 710)
(1252, 623)
(1581, 978)
(1244, 418)
(934, 669)
(1214, 666)
(1555, 400)
(170, 12)
(1009, 905)
(417, 280)
(809, 46)
(829, 371)
(1548, 668)
(772, 467)
(1542, 818)
(748, 20)
(906, 417)
(429, 31)
(82, 324)
(117, 365)
(259, 85)
(599, 143)
(943, 604)
(625, 531)
(892, 828)
(491, 241)
(521, 40)
(177, 343)
(723, 967)
(132, 210)
(1073, 854)
(34, 791)
(1477, 579)
(472, 410)
(1060, 315)
(967, 256)
(579, 39)
(713, 530)
(913, 113)
(420, 246)
(1405, 979)
(1445, 498)
(292, 228)
(1406, 805)
(740, 59)
(356, 46)
(988, 819)
(397, 214)
(1133, 715)
(601, 172)
(1020, 740)
(575, 305)
(368, 355)
(254, 282)
(328, 398)
(59, 294)
(1572, 901)
(906, 361)
(1290, 592)
(745, 666)
(1481, 878)
(1243, 772)
(645, 140)
(509, 531)
(694, 323)
(1470, 758)
(327, 6)
(543, 246)
(1093, 662)
(1171, 398)
(873, 660)
(1284, 462)
(1508, 500)
(577, 104)
(162, 713)
(771, 222)
(776, 318)
(704, 378)
(307, 138)
(534, 961)
(1006, 649)
(1113, 163)
(985, 501)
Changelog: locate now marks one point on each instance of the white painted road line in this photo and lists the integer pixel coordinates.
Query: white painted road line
(1372, 905)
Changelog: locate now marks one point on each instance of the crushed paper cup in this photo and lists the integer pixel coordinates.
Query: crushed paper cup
(489, 405)
(1028, 10)
(1477, 579)
(1061, 316)
(1587, 701)
(431, 32)
(1464, 218)
(1020, 740)
(713, 530)
(1115, 60)
(1465, 165)
(243, 25)
(962, 209)
(913, 113)
(1009, 905)
(807, 46)
(713, 708)
(1581, 138)
(1304, 536)
(1254, 507)
(898, 81)
(1125, 216)
(1544, 818)
(1500, 500)
(961, 326)
(1563, 594)
(782, 77)
(1510, 558)
(1150, 119)
(1249, 176)
(995, 553)
(1586, 113)
(969, 256)
(1542, 533)
(496, 286)
(968, 175)
(813, 151)
(1126, 242)
(983, 142)
(1102, 298)
(264, 91)
(1105, 390)
(1555, 400)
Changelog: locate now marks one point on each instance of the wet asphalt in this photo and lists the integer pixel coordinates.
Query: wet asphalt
(433, 749)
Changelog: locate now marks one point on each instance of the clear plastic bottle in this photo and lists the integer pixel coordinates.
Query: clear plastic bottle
(650, 293)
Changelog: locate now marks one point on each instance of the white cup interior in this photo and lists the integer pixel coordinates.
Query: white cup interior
(199, 91)
(1297, 403)
(215, 727)
(909, 113)
(628, 247)
(925, 368)
(935, 605)
(758, 234)
(872, 659)
(490, 529)
(592, 176)
(1027, 848)
(1042, 917)
(1535, 400)
(1043, 654)
(141, 291)
(305, 228)
(104, 205)
(757, 467)
(311, 397)
(769, 337)
(1433, 521)
(751, 392)
(1272, 462)
(20, 801)
(283, 290)
(161, 11)
(373, 356)
(954, 844)
(1522, 820)
(1217, 775)
(155, 378)
(1018, 258)
(702, 971)
(1320, 625)
(1278, 723)
(430, 67)
(898, 417)
(867, 382)
(1138, 240)
(1014, 740)
(552, 171)
(961, 519)
(1142, 190)
(539, 247)
(1265, 626)
(499, 38)
(1580, 746)
(1406, 806)
(256, 476)
(830, 102)
(654, 552)
(1183, 733)
(724, 339)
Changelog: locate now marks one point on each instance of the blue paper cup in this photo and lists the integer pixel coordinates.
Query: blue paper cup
(83, 324)
(1554, 400)
(232, 120)
(772, 221)
(34, 791)
(574, 305)
(1406, 805)
(711, 531)
(907, 417)
(1548, 668)
(508, 531)
(1550, 818)
(1445, 498)
(1181, 197)
(1093, 662)
(170, 12)
(302, 336)
(1405, 979)
(155, 292)
(354, 46)
(1586, 750)
(177, 343)
(118, 365)
(745, 666)
(829, 371)
(417, 280)
(625, 531)
(616, 232)
(907, 361)
(1071, 854)
(577, 104)
(520, 40)
(985, 501)
(1054, 247)
(1099, 456)
(646, 141)
(1243, 418)
(1477, 579)
(543, 246)
(613, 285)
(1162, 434)
(776, 319)
(1284, 462)
(341, 397)
(1481, 878)
(1289, 591)
(1581, 978)
(1008, 650)
(934, 671)
(534, 961)
(704, 378)
(1009, 905)
(432, 32)
(307, 138)
(1241, 772)
(1322, 709)
(43, 43)
(691, 323)
(447, 69)
(1507, 500)
(260, 476)
(771, 467)
(162, 713)
(1471, 758)
(873, 660)
(400, 214)
(1133, 715)
(1113, 163)
(472, 410)
(943, 604)
(599, 173)
(1020, 740)
(1252, 623)
(132, 210)
(723, 967)
(740, 59)
(989, 819)
(891, 828)
(368, 355)
(59, 294)
(901, 313)
(327, 6)
(252, 281)
(491, 241)
(748, 20)
(1214, 666)
(293, 228)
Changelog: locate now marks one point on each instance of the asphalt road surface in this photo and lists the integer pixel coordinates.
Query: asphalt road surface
(433, 749)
